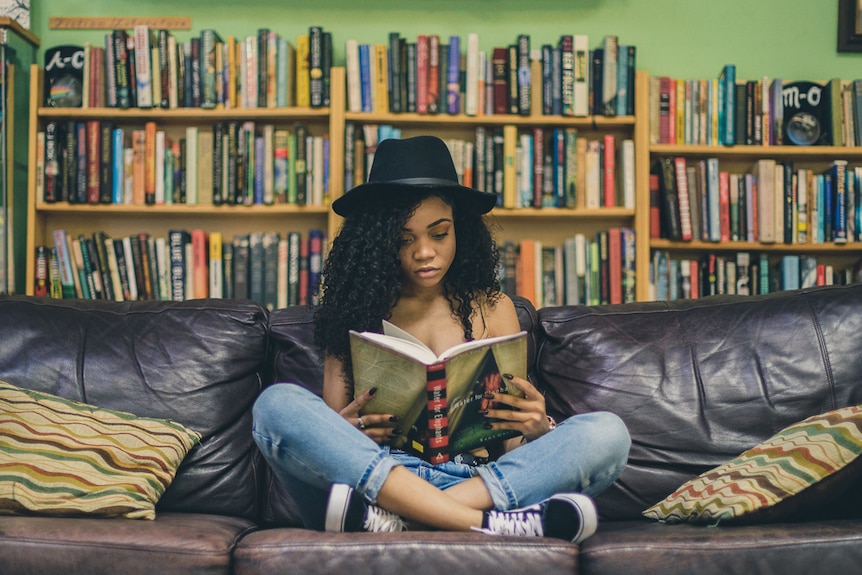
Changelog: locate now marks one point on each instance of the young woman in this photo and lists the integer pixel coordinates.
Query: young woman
(414, 250)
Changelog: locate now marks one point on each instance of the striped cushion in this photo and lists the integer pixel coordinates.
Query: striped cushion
(794, 471)
(61, 457)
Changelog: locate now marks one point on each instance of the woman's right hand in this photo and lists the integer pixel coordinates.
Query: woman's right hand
(381, 427)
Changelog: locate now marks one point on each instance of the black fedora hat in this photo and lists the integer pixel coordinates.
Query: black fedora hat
(413, 165)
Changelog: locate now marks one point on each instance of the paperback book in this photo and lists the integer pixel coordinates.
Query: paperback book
(439, 399)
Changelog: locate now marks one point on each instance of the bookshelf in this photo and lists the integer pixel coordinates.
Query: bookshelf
(550, 225)
(17, 51)
(742, 160)
(118, 220)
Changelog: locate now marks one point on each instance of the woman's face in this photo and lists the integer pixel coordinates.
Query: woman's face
(427, 245)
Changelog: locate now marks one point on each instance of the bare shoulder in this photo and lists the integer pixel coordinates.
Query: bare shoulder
(500, 316)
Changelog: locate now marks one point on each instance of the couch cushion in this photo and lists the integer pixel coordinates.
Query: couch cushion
(800, 467)
(698, 382)
(172, 544)
(61, 457)
(414, 553)
(649, 547)
(196, 362)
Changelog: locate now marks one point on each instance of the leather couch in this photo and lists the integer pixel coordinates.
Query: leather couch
(697, 382)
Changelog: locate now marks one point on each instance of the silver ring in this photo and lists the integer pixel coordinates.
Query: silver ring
(360, 423)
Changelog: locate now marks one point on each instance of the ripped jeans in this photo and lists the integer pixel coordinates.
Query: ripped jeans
(309, 447)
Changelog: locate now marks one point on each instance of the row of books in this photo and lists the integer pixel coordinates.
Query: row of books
(775, 203)
(768, 111)
(535, 167)
(243, 163)
(451, 75)
(148, 68)
(273, 269)
(742, 273)
(582, 270)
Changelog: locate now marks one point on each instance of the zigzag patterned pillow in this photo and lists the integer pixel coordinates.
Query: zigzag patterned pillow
(61, 457)
(793, 471)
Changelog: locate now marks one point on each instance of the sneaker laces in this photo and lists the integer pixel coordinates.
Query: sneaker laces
(521, 523)
(379, 520)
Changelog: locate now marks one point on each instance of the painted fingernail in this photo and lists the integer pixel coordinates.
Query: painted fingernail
(487, 425)
(397, 431)
(508, 375)
(489, 396)
(372, 391)
(483, 412)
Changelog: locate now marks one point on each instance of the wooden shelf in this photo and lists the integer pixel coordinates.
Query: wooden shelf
(565, 213)
(591, 122)
(228, 210)
(701, 246)
(186, 115)
(754, 152)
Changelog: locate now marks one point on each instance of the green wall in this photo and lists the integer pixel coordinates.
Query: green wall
(792, 39)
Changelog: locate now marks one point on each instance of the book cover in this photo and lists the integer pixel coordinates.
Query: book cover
(414, 384)
(64, 76)
(669, 199)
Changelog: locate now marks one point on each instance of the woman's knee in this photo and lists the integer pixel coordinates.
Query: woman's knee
(276, 402)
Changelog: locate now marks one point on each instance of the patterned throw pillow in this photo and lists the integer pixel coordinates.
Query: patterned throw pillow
(794, 471)
(64, 458)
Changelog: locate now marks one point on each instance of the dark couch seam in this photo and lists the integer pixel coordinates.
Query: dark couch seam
(824, 352)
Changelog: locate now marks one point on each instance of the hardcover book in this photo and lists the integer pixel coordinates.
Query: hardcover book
(64, 76)
(438, 398)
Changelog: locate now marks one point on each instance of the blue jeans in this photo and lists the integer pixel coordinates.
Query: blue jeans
(309, 447)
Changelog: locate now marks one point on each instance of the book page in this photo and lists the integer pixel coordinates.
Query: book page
(400, 382)
(390, 329)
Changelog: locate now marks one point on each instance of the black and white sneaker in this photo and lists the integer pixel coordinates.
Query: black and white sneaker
(346, 511)
(569, 516)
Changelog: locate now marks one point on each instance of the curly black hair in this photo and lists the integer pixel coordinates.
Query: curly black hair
(362, 274)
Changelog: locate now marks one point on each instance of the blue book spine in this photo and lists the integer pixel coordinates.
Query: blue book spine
(556, 82)
(259, 152)
(558, 154)
(365, 76)
(453, 77)
(729, 75)
(827, 211)
(547, 85)
(790, 272)
(857, 191)
(713, 197)
(622, 81)
(177, 240)
(119, 175)
(839, 212)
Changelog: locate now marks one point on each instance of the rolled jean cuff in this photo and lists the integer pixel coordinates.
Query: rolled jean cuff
(501, 492)
(375, 476)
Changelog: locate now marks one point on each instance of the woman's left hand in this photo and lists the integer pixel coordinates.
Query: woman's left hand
(527, 414)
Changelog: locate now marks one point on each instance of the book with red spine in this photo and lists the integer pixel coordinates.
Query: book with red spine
(441, 400)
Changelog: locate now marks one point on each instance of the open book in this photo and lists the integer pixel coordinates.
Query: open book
(437, 398)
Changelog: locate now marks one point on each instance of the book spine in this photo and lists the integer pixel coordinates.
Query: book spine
(453, 76)
(315, 64)
(436, 450)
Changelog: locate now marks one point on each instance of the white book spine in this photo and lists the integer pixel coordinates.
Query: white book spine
(628, 159)
(354, 85)
(143, 67)
(581, 45)
(191, 165)
(471, 100)
(162, 259)
(130, 268)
